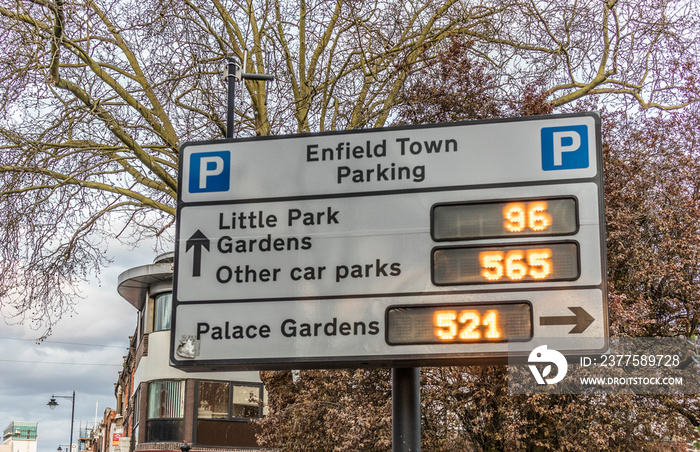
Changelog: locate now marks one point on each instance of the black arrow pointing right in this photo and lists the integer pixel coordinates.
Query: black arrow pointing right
(198, 241)
(581, 320)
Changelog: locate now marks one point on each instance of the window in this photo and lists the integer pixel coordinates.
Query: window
(246, 401)
(163, 310)
(213, 400)
(141, 320)
(136, 405)
(223, 412)
(165, 399)
(224, 400)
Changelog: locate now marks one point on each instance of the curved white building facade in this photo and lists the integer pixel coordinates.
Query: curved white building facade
(160, 406)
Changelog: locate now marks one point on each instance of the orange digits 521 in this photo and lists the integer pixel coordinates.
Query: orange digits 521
(448, 325)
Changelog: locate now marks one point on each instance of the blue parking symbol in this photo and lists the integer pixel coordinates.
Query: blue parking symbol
(210, 172)
(564, 147)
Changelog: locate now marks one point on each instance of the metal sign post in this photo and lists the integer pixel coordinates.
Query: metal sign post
(233, 74)
(405, 409)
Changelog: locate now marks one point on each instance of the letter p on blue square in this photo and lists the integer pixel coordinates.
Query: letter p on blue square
(564, 147)
(210, 172)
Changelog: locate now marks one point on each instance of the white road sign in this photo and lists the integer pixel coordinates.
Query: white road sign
(449, 244)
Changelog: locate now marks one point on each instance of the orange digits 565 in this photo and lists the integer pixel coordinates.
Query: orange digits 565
(516, 264)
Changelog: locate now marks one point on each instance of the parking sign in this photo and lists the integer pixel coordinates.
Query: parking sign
(441, 244)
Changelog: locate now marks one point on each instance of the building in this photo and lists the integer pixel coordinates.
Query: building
(86, 438)
(158, 406)
(19, 437)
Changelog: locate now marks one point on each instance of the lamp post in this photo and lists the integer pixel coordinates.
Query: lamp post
(53, 404)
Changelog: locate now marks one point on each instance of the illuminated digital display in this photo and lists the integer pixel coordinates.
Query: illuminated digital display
(531, 262)
(534, 217)
(465, 323)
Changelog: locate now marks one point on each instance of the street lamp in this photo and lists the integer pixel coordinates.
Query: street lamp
(53, 404)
